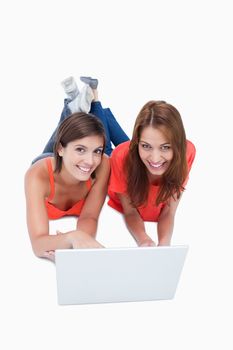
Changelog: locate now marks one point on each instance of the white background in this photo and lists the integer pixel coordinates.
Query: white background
(179, 51)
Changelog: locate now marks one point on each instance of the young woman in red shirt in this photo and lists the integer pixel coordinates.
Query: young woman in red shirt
(149, 173)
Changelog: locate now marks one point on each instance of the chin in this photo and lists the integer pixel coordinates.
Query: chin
(157, 173)
(84, 177)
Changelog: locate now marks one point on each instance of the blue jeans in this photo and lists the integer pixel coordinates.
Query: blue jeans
(114, 133)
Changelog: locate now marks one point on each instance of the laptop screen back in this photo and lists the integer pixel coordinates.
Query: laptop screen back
(87, 276)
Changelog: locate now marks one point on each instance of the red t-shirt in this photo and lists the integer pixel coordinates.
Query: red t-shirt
(117, 183)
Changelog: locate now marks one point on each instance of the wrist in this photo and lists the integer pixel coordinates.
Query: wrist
(140, 237)
(164, 242)
(70, 236)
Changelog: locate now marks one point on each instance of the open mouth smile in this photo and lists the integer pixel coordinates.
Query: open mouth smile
(84, 170)
(157, 165)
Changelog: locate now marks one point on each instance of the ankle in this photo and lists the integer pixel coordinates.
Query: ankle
(95, 93)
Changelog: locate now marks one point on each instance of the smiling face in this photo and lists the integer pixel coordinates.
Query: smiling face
(155, 151)
(81, 157)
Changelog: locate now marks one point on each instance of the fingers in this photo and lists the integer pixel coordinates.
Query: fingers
(99, 245)
(50, 255)
(82, 240)
(90, 245)
(147, 243)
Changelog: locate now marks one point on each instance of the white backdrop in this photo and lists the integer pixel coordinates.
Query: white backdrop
(178, 51)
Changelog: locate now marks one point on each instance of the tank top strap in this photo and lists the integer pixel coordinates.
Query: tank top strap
(51, 178)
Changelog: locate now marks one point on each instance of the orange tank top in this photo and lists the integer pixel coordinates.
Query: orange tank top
(54, 212)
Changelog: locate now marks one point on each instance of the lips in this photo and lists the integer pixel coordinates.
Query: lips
(83, 169)
(156, 165)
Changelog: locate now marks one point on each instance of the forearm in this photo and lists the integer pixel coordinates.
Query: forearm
(45, 243)
(136, 227)
(165, 229)
(88, 225)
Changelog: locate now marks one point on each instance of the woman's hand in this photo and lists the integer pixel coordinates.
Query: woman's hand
(147, 243)
(79, 239)
(50, 255)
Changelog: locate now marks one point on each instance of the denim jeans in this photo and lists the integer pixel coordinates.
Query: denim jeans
(114, 133)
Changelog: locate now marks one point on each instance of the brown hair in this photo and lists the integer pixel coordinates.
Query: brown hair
(76, 126)
(157, 114)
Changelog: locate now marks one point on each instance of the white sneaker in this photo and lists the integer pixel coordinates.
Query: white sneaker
(70, 87)
(86, 97)
(74, 105)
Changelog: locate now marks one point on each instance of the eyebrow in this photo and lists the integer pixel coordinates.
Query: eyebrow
(79, 145)
(162, 144)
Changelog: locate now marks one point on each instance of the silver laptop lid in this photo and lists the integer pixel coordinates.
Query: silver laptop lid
(87, 276)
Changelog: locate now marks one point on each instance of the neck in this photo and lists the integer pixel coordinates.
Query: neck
(66, 179)
(154, 179)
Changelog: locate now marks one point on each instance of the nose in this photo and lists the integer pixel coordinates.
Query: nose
(89, 159)
(156, 156)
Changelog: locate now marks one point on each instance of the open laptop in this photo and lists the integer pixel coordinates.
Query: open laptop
(87, 276)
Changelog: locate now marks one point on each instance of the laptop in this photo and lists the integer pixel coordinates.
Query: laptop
(90, 276)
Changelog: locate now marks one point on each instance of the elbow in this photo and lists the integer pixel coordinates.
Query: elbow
(37, 250)
(130, 216)
(167, 215)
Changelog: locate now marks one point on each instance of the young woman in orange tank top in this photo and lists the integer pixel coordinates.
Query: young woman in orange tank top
(71, 176)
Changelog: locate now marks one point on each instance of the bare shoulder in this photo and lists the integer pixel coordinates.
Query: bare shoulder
(102, 173)
(104, 168)
(106, 161)
(37, 177)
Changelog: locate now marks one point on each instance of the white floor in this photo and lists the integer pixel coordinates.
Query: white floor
(177, 51)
